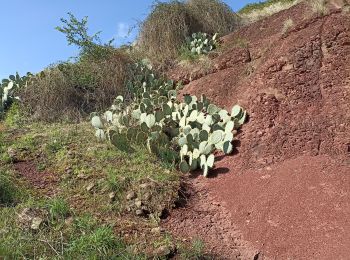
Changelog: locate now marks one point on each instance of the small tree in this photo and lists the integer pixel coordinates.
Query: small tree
(90, 46)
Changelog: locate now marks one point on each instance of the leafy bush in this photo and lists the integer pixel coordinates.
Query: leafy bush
(90, 46)
(169, 24)
(194, 128)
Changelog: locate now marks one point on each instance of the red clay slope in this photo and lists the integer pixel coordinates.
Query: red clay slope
(288, 188)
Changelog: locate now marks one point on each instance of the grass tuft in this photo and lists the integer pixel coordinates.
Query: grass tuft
(257, 11)
(58, 209)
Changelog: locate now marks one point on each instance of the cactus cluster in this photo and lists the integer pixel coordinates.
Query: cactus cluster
(194, 128)
(202, 43)
(8, 88)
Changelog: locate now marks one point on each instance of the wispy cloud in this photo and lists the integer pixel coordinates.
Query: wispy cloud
(122, 30)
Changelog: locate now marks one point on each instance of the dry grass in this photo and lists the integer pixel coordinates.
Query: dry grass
(287, 25)
(319, 6)
(69, 91)
(255, 12)
(213, 16)
(165, 29)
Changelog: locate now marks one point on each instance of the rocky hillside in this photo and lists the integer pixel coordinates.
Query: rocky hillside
(287, 188)
(292, 72)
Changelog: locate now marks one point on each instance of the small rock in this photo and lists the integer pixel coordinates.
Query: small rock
(82, 176)
(90, 186)
(139, 212)
(111, 195)
(144, 185)
(36, 222)
(11, 153)
(138, 203)
(131, 195)
(155, 230)
(68, 170)
(147, 196)
(69, 221)
(162, 251)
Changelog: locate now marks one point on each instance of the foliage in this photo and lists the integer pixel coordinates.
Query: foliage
(201, 43)
(169, 24)
(194, 128)
(76, 32)
(8, 88)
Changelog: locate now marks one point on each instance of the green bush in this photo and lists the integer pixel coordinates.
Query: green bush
(169, 24)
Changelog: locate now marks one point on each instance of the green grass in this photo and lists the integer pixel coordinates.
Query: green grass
(78, 223)
(9, 193)
(58, 208)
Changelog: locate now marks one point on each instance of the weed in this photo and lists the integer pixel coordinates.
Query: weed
(195, 251)
(58, 209)
(287, 25)
(8, 190)
(100, 243)
(319, 7)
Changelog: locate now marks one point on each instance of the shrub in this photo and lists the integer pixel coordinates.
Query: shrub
(76, 32)
(214, 16)
(165, 30)
(70, 91)
(169, 24)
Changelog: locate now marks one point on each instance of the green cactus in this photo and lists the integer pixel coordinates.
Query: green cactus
(155, 117)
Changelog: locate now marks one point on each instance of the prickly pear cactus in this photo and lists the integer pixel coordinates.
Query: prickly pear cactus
(202, 43)
(8, 88)
(155, 117)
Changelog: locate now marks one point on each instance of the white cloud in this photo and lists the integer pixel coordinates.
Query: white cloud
(122, 30)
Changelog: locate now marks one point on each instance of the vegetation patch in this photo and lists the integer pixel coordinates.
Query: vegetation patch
(256, 11)
(169, 24)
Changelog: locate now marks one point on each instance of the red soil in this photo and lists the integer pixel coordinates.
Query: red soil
(44, 181)
(288, 188)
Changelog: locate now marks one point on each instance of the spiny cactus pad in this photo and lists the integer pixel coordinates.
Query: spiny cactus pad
(155, 117)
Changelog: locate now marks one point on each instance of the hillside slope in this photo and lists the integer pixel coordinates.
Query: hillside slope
(288, 186)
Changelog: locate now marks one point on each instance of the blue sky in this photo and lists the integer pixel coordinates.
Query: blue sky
(30, 42)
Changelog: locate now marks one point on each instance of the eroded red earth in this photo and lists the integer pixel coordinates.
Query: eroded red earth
(287, 190)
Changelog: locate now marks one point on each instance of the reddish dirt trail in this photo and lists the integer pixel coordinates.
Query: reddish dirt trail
(287, 191)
